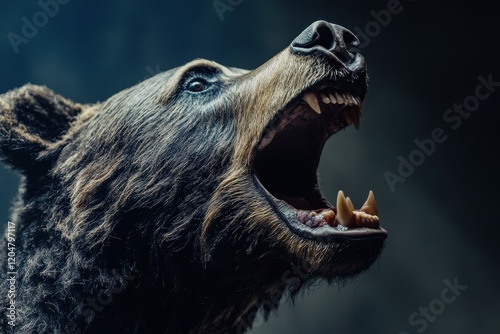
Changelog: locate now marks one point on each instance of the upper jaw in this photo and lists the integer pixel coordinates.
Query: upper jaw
(342, 109)
(312, 117)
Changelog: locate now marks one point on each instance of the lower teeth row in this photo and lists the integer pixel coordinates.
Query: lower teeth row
(346, 216)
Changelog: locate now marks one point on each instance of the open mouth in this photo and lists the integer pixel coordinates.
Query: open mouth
(287, 158)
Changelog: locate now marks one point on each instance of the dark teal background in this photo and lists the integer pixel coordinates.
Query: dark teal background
(442, 221)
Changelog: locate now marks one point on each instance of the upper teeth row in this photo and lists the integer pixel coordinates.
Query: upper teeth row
(330, 98)
(340, 98)
(351, 115)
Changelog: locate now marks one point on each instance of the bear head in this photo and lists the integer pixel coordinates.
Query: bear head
(200, 181)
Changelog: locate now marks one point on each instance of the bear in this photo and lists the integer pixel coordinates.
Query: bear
(188, 203)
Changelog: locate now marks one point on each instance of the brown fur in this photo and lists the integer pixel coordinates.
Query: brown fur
(158, 182)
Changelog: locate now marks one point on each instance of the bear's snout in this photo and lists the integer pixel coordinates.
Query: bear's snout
(332, 41)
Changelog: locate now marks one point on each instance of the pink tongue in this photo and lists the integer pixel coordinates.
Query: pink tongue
(296, 201)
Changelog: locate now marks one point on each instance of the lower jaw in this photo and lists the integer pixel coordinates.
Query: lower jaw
(320, 224)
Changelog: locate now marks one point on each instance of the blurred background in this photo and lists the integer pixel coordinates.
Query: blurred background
(423, 57)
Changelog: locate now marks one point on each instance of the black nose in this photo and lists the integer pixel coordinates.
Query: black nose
(327, 38)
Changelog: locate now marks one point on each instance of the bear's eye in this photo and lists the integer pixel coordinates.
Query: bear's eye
(197, 85)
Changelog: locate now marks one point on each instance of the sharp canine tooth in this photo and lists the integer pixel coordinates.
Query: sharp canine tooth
(332, 98)
(370, 207)
(312, 101)
(355, 118)
(325, 99)
(347, 117)
(344, 213)
(349, 202)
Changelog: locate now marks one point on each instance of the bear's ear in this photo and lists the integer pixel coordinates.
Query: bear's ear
(31, 119)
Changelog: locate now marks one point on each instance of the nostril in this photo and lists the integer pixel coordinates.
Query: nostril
(328, 38)
(350, 40)
(321, 36)
(347, 46)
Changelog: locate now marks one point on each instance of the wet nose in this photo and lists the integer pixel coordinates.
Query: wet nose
(328, 39)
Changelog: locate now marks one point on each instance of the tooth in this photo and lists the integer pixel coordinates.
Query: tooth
(339, 98)
(347, 117)
(325, 99)
(312, 101)
(348, 100)
(329, 216)
(332, 98)
(370, 207)
(363, 219)
(344, 213)
(353, 100)
(349, 202)
(355, 118)
(358, 101)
